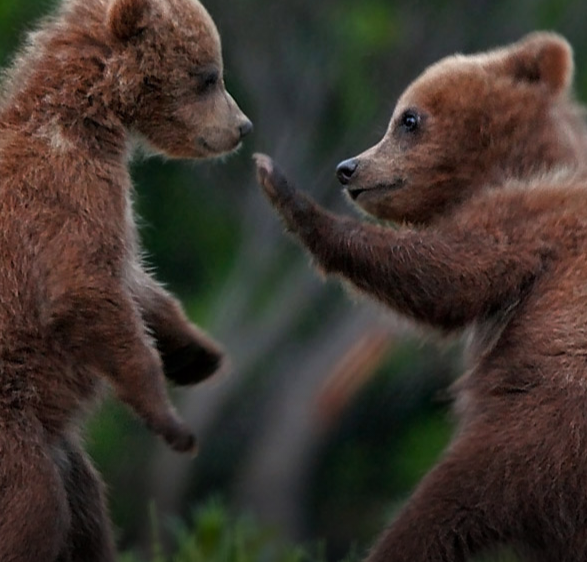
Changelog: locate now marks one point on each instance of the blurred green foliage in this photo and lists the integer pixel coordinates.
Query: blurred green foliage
(214, 535)
(393, 433)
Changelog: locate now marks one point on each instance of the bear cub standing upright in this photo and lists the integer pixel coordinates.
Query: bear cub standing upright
(482, 165)
(77, 305)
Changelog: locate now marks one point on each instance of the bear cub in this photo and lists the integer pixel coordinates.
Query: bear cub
(481, 168)
(78, 307)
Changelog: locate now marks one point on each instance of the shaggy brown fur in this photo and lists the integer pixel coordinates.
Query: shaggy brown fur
(77, 307)
(483, 158)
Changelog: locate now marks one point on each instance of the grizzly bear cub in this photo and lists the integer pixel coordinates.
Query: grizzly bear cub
(77, 305)
(481, 167)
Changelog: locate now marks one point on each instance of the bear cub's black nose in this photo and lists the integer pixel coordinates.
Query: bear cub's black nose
(345, 171)
(245, 129)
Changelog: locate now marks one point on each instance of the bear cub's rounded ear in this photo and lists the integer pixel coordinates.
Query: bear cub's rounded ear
(542, 57)
(127, 18)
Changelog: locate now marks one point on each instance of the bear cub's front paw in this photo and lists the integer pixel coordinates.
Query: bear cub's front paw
(276, 187)
(192, 363)
(175, 433)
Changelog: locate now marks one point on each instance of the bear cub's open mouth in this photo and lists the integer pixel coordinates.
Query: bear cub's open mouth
(356, 192)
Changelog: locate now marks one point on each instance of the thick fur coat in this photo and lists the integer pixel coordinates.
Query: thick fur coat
(77, 307)
(483, 168)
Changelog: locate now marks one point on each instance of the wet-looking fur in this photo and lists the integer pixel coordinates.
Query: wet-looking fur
(482, 169)
(77, 306)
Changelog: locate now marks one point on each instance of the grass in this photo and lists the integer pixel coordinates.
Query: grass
(214, 535)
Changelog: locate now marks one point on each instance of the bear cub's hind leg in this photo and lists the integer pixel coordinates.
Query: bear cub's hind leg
(90, 538)
(35, 515)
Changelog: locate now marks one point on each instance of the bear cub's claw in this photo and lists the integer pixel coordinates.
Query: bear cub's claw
(298, 211)
(272, 180)
(182, 440)
(265, 169)
(174, 432)
(193, 363)
(264, 163)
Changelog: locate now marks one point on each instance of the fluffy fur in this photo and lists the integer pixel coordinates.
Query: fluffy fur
(77, 307)
(482, 163)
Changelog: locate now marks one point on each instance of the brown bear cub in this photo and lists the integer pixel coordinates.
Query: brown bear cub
(481, 166)
(77, 305)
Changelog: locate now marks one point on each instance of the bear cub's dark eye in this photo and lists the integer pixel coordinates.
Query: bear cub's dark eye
(410, 121)
(207, 80)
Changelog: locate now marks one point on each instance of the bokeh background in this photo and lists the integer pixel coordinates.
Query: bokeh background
(334, 409)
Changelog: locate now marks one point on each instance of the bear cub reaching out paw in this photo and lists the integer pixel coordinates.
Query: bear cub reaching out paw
(77, 305)
(481, 167)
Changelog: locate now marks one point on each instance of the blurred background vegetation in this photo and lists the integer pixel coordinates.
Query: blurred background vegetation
(334, 409)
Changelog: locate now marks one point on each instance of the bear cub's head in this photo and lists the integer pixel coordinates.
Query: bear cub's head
(466, 123)
(168, 62)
